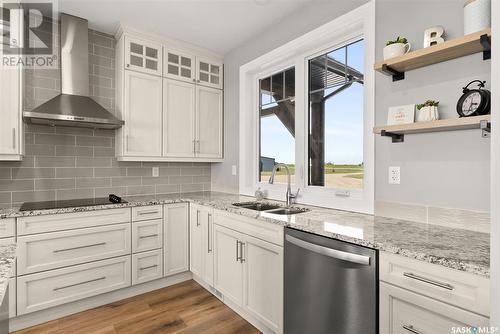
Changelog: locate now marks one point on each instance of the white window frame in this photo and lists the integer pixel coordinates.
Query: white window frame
(355, 25)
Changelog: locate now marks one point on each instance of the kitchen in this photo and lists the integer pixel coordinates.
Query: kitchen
(173, 176)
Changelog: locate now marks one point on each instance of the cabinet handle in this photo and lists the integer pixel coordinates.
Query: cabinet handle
(199, 146)
(148, 236)
(208, 233)
(126, 143)
(197, 217)
(150, 212)
(76, 284)
(149, 267)
(79, 247)
(237, 250)
(14, 138)
(128, 65)
(410, 329)
(429, 281)
(194, 146)
(242, 244)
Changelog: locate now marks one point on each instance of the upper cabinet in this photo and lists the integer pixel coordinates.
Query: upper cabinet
(170, 95)
(143, 56)
(10, 108)
(209, 73)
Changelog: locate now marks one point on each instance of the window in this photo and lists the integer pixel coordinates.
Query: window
(336, 118)
(277, 125)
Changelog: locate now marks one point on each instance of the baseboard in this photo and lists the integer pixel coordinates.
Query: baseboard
(39, 317)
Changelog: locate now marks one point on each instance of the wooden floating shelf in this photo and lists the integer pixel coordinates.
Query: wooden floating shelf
(397, 132)
(469, 44)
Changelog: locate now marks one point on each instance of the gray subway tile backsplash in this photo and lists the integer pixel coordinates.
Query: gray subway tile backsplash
(68, 162)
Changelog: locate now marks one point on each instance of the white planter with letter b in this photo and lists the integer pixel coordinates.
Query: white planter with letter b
(396, 50)
(427, 114)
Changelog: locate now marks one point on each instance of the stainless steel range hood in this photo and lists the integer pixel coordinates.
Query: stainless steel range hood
(73, 107)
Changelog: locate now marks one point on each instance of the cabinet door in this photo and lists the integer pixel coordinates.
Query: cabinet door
(196, 242)
(263, 282)
(209, 73)
(402, 311)
(176, 238)
(147, 266)
(10, 111)
(178, 119)
(143, 56)
(208, 254)
(143, 115)
(228, 268)
(209, 122)
(179, 65)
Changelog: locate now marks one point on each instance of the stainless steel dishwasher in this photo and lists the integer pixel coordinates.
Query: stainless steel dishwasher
(331, 286)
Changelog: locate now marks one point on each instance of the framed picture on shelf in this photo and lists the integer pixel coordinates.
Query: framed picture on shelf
(401, 114)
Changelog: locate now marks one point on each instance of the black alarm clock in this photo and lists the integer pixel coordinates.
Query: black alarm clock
(474, 102)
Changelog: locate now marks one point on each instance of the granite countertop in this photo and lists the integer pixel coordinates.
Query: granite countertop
(450, 247)
(7, 262)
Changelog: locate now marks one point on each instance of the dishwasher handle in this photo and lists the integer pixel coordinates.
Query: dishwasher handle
(334, 253)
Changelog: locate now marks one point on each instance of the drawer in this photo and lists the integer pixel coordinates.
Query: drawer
(10, 241)
(69, 221)
(59, 249)
(55, 287)
(259, 229)
(12, 298)
(405, 312)
(147, 212)
(147, 235)
(455, 287)
(147, 266)
(7, 227)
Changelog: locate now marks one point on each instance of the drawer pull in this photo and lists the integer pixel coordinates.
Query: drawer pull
(149, 267)
(427, 280)
(79, 247)
(81, 283)
(150, 212)
(148, 236)
(410, 329)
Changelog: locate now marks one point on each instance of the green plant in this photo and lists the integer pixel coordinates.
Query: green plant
(428, 103)
(400, 39)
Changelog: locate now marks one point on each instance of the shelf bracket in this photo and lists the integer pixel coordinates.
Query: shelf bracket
(485, 127)
(396, 75)
(485, 41)
(396, 137)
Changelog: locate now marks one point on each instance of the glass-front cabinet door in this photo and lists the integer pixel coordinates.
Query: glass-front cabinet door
(209, 73)
(143, 56)
(178, 65)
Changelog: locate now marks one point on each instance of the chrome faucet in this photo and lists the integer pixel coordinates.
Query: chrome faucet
(290, 198)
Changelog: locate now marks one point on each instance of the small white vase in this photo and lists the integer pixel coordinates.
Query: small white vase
(477, 15)
(427, 114)
(396, 49)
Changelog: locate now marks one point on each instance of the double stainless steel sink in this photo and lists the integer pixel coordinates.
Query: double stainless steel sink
(270, 208)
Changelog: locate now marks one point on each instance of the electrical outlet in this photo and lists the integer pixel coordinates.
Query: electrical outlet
(233, 169)
(156, 171)
(395, 175)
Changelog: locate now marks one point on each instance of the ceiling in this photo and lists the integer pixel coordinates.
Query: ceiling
(219, 25)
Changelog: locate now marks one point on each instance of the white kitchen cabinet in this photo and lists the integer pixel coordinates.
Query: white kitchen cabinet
(142, 113)
(12, 298)
(202, 254)
(147, 235)
(209, 73)
(11, 127)
(179, 65)
(147, 266)
(176, 238)
(209, 116)
(403, 311)
(228, 264)
(179, 112)
(143, 56)
(263, 281)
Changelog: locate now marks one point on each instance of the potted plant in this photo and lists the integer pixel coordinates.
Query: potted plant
(427, 111)
(397, 47)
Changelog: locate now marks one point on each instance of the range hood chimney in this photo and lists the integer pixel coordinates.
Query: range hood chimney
(73, 107)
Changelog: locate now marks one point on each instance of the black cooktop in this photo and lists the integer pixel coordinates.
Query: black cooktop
(29, 206)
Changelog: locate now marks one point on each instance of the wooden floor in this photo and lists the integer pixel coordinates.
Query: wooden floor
(182, 308)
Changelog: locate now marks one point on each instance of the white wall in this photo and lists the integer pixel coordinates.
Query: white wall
(298, 23)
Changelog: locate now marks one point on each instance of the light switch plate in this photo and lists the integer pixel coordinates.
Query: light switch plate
(156, 171)
(394, 175)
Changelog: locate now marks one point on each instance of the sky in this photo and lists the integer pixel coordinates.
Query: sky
(343, 119)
